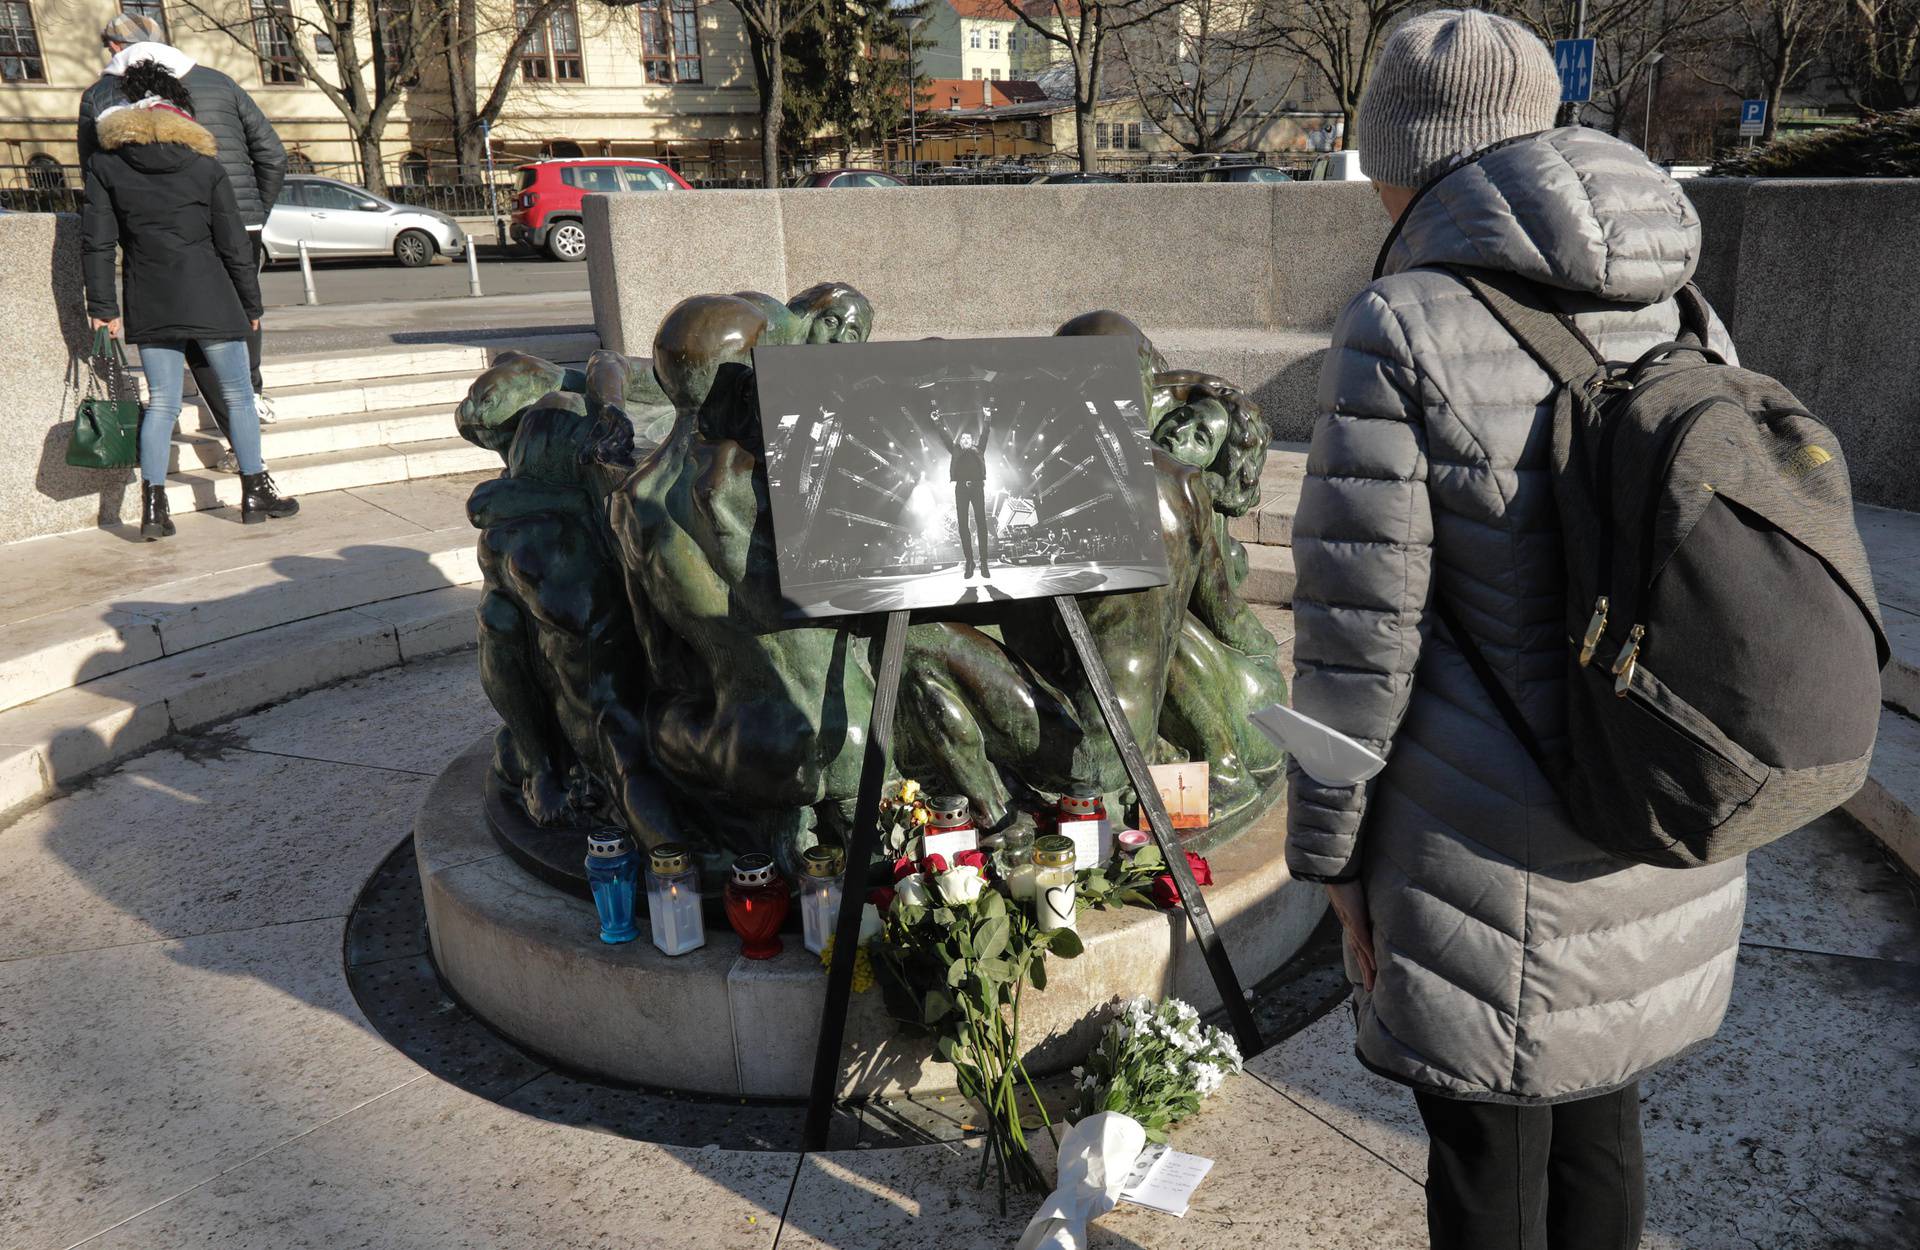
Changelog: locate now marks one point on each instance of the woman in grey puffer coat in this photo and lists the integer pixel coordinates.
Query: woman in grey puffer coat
(1517, 977)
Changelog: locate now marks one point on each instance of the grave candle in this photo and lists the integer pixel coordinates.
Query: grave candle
(613, 871)
(1053, 882)
(821, 887)
(1082, 816)
(673, 900)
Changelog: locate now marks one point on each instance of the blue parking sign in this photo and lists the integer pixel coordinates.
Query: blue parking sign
(1753, 117)
(1574, 59)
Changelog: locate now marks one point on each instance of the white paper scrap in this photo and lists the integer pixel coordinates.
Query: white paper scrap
(1168, 1181)
(1323, 753)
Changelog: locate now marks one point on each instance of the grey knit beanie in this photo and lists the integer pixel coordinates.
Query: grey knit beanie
(1447, 84)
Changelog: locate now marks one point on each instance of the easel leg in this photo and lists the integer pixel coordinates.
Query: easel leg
(1246, 1033)
(860, 848)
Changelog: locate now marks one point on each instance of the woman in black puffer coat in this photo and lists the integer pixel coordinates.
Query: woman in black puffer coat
(156, 189)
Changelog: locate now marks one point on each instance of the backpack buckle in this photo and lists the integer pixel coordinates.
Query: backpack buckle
(1613, 377)
(1595, 627)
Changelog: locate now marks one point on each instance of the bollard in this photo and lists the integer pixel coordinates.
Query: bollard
(473, 266)
(306, 273)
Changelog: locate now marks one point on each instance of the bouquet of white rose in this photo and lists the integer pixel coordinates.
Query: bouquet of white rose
(1155, 1065)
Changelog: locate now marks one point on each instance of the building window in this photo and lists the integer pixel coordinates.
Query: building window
(1101, 135)
(20, 59)
(395, 32)
(20, 45)
(1133, 136)
(976, 72)
(1120, 136)
(552, 51)
(973, 37)
(273, 40)
(153, 11)
(994, 73)
(993, 41)
(670, 40)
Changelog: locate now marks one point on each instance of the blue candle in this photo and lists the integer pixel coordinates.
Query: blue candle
(613, 870)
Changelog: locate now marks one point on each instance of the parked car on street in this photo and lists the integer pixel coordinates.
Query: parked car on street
(850, 178)
(1055, 179)
(337, 219)
(1244, 173)
(1343, 166)
(546, 212)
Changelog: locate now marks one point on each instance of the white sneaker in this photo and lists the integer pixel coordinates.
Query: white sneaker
(263, 406)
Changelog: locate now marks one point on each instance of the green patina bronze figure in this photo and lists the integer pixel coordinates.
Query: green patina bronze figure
(632, 634)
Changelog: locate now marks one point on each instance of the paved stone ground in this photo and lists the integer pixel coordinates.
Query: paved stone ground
(181, 1062)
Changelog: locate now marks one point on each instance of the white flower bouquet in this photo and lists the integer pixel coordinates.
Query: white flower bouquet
(1155, 1064)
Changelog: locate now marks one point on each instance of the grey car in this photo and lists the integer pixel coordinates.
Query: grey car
(337, 219)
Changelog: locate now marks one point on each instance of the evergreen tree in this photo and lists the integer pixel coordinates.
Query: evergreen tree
(846, 75)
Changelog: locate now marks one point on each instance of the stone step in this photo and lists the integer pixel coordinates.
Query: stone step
(282, 370)
(57, 650)
(192, 490)
(53, 740)
(1269, 575)
(199, 449)
(1889, 804)
(1271, 521)
(332, 399)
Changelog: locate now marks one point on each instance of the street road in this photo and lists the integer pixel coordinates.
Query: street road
(378, 281)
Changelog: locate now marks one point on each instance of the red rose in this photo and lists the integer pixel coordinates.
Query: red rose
(933, 865)
(902, 867)
(1202, 871)
(973, 859)
(881, 897)
(1165, 893)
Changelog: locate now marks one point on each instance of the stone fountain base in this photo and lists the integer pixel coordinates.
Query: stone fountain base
(525, 956)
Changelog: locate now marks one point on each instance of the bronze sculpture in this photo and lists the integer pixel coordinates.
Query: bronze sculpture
(632, 635)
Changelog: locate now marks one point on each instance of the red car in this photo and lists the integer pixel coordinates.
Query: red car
(546, 211)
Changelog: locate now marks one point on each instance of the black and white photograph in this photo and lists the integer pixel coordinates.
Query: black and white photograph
(943, 472)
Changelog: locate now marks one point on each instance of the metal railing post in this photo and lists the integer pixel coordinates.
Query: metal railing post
(473, 266)
(306, 273)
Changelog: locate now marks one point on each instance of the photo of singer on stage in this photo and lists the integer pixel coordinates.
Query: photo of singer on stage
(944, 472)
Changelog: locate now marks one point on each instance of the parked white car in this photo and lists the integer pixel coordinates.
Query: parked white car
(337, 219)
(1342, 166)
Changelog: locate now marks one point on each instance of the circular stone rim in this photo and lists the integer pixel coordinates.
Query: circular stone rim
(524, 955)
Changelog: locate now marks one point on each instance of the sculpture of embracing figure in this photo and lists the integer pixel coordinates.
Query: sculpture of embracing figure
(632, 636)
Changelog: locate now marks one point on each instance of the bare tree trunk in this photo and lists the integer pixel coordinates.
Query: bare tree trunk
(1084, 133)
(772, 87)
(373, 176)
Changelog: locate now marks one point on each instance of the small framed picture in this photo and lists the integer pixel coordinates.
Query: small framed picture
(1184, 793)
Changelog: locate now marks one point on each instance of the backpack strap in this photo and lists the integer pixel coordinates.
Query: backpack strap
(1549, 336)
(1502, 701)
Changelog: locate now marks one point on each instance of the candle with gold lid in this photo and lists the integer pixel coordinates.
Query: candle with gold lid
(1054, 882)
(821, 884)
(673, 900)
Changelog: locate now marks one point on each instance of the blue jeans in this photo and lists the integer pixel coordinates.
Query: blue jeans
(165, 367)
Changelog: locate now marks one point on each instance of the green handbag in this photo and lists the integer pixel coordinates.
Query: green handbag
(106, 427)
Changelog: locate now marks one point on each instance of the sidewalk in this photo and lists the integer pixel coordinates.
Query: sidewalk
(332, 327)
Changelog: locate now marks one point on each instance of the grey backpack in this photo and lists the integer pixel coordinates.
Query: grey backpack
(1724, 642)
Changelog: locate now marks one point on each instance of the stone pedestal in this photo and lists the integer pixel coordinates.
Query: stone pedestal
(526, 957)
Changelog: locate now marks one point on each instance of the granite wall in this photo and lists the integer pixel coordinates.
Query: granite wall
(1818, 279)
(43, 348)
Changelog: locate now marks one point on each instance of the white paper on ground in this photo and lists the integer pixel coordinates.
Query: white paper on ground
(1324, 754)
(1169, 1181)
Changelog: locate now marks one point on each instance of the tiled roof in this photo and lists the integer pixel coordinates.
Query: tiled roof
(973, 93)
(991, 10)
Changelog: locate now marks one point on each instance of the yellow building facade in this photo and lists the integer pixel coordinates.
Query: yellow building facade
(659, 78)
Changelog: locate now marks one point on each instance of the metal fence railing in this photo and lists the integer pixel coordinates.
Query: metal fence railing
(467, 192)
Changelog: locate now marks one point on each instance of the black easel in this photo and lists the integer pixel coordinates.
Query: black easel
(866, 832)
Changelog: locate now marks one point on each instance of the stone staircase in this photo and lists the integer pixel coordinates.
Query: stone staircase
(351, 419)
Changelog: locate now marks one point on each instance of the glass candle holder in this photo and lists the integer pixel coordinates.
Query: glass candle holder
(757, 904)
(821, 886)
(673, 900)
(1053, 882)
(1131, 840)
(1016, 852)
(1082, 815)
(613, 872)
(949, 829)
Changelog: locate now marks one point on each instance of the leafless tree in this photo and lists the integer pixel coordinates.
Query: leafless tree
(1875, 56)
(1211, 74)
(1763, 46)
(1628, 35)
(470, 115)
(767, 24)
(1082, 29)
(377, 50)
(1340, 39)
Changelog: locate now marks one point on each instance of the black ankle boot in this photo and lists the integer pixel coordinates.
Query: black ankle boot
(260, 500)
(155, 524)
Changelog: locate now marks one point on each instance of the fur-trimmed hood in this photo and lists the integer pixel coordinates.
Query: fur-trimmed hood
(128, 127)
